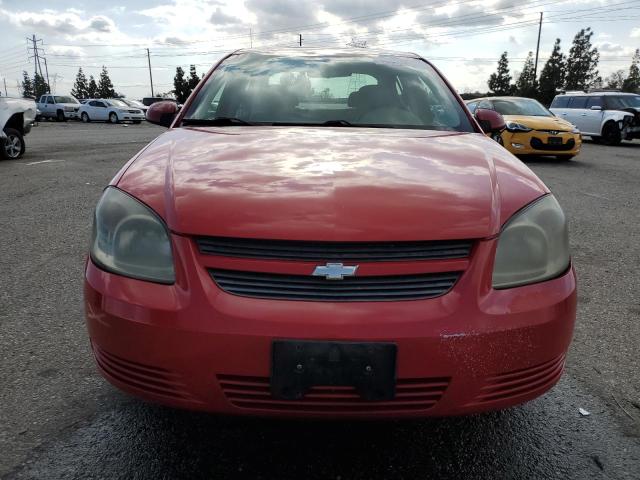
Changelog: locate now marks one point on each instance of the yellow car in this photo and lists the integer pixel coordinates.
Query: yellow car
(531, 128)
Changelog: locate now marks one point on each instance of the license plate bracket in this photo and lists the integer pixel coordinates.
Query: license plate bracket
(554, 140)
(297, 366)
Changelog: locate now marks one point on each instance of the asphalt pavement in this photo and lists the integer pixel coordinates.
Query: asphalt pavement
(60, 419)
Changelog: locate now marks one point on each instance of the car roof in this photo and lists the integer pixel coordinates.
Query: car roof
(309, 51)
(498, 98)
(594, 94)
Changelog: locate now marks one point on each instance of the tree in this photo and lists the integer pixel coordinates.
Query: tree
(180, 86)
(552, 75)
(40, 86)
(105, 87)
(80, 87)
(582, 64)
(27, 85)
(193, 78)
(92, 88)
(500, 82)
(632, 82)
(527, 86)
(615, 80)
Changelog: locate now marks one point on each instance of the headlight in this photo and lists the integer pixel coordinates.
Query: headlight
(575, 130)
(130, 239)
(533, 245)
(517, 127)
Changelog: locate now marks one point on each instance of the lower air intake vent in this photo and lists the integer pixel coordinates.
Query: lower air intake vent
(350, 289)
(254, 393)
(144, 378)
(520, 382)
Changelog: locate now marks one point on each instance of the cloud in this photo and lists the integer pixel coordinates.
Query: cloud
(218, 17)
(635, 33)
(68, 22)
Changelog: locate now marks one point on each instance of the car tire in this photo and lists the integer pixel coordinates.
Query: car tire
(113, 117)
(85, 117)
(611, 134)
(564, 158)
(60, 116)
(14, 145)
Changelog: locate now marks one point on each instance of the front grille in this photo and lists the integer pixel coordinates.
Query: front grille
(540, 145)
(254, 393)
(520, 382)
(349, 289)
(328, 251)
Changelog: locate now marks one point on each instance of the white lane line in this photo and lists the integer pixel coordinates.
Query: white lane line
(43, 161)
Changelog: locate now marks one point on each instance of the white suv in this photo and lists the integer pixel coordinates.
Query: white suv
(607, 117)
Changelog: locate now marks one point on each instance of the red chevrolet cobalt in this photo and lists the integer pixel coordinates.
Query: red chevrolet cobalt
(329, 233)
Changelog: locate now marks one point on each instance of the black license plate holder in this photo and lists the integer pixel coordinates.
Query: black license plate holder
(554, 141)
(297, 366)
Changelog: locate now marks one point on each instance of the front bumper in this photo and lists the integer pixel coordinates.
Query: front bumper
(536, 143)
(133, 117)
(191, 345)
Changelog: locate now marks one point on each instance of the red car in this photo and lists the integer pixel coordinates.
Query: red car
(329, 233)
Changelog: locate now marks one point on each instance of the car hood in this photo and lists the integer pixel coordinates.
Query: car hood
(541, 123)
(329, 183)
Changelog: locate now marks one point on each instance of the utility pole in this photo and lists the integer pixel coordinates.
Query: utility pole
(150, 76)
(250, 38)
(300, 39)
(535, 68)
(5, 87)
(46, 69)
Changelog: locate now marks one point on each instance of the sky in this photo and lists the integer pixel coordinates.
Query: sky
(463, 38)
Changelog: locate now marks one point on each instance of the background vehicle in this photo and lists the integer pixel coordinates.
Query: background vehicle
(531, 129)
(60, 107)
(16, 117)
(109, 110)
(607, 117)
(135, 104)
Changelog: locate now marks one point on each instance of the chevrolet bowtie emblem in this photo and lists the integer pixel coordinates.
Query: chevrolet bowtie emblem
(334, 271)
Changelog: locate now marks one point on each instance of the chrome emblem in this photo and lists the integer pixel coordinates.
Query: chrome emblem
(554, 132)
(334, 271)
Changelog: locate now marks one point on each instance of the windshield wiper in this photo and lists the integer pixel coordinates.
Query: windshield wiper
(217, 121)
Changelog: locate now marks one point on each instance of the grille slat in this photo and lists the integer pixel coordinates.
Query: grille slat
(332, 251)
(306, 287)
(411, 394)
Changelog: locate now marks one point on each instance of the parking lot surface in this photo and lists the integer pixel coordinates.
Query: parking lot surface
(60, 419)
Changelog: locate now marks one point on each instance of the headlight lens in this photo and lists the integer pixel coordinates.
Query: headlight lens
(130, 239)
(517, 127)
(575, 130)
(533, 246)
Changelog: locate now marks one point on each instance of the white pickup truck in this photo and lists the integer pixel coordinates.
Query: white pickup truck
(16, 118)
(60, 107)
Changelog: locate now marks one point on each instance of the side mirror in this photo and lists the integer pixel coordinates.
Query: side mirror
(490, 121)
(162, 113)
(596, 107)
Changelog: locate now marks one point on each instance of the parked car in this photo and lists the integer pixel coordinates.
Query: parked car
(148, 101)
(607, 117)
(60, 107)
(109, 110)
(311, 238)
(531, 128)
(136, 104)
(16, 119)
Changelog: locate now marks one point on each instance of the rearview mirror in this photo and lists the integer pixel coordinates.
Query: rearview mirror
(162, 113)
(490, 121)
(596, 107)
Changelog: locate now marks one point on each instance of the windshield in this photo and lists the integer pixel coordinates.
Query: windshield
(520, 106)
(118, 103)
(65, 99)
(364, 90)
(623, 101)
